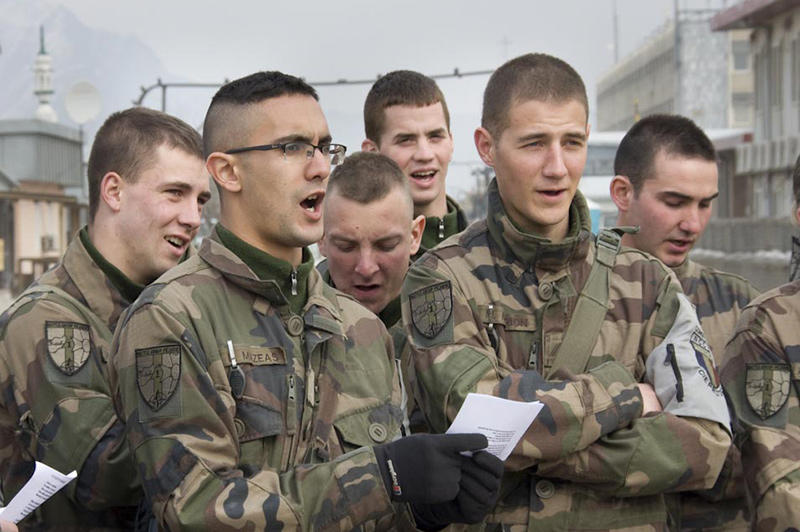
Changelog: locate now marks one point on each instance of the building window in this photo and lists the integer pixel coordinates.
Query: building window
(741, 55)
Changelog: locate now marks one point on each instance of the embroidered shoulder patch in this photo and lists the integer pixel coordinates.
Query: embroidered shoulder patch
(767, 387)
(431, 308)
(705, 359)
(158, 371)
(69, 345)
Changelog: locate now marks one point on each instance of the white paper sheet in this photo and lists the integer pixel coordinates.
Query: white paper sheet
(44, 482)
(502, 421)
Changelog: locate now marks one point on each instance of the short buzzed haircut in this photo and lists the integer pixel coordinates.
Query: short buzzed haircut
(225, 119)
(401, 87)
(126, 144)
(366, 177)
(675, 134)
(539, 77)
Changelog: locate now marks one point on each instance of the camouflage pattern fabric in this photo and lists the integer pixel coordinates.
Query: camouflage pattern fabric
(281, 439)
(589, 461)
(438, 229)
(761, 373)
(719, 298)
(414, 421)
(56, 404)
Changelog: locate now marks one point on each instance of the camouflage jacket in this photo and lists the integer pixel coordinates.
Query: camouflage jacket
(413, 422)
(56, 402)
(761, 373)
(438, 229)
(719, 298)
(281, 438)
(486, 311)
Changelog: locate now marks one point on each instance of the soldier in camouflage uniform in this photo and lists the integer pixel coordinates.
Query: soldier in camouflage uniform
(147, 185)
(370, 233)
(256, 395)
(406, 119)
(666, 180)
(761, 374)
(526, 305)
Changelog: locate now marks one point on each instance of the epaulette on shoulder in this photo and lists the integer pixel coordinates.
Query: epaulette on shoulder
(631, 255)
(783, 291)
(473, 231)
(350, 309)
(727, 275)
(189, 266)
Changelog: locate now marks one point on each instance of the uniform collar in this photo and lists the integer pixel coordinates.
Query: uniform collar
(391, 313)
(531, 250)
(238, 262)
(439, 228)
(93, 284)
(686, 269)
(129, 289)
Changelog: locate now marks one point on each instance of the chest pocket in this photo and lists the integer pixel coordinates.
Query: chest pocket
(512, 334)
(260, 392)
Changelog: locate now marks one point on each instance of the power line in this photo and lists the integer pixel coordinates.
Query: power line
(456, 73)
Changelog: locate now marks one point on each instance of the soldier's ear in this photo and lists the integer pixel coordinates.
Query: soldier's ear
(621, 190)
(322, 245)
(484, 143)
(111, 190)
(369, 145)
(223, 169)
(417, 228)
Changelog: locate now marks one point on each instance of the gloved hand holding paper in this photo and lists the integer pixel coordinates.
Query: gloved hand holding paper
(44, 482)
(502, 421)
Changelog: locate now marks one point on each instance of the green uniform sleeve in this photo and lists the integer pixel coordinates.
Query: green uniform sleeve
(682, 448)
(590, 430)
(760, 371)
(459, 359)
(57, 407)
(180, 410)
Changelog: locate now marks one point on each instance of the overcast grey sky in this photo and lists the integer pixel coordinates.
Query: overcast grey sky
(209, 41)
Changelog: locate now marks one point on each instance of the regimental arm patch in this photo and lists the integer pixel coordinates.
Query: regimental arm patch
(702, 351)
(158, 372)
(432, 309)
(69, 345)
(767, 387)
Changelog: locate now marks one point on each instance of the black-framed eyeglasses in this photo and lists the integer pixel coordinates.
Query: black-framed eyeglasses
(300, 150)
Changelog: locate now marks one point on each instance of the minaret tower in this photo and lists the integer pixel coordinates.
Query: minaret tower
(43, 82)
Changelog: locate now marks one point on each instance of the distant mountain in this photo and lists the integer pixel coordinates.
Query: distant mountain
(118, 65)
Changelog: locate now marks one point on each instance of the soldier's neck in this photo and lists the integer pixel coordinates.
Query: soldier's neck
(129, 289)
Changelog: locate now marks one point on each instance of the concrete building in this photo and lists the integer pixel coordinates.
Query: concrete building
(683, 71)
(765, 167)
(42, 187)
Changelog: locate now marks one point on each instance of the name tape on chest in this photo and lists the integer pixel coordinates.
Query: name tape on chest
(254, 355)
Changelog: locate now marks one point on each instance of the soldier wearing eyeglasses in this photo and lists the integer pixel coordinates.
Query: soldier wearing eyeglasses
(257, 396)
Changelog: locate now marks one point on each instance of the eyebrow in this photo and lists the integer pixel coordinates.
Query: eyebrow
(345, 240)
(299, 137)
(539, 136)
(437, 131)
(684, 197)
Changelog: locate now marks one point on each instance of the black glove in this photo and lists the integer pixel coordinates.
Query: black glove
(425, 467)
(478, 493)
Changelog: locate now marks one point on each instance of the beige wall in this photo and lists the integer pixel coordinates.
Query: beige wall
(34, 220)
